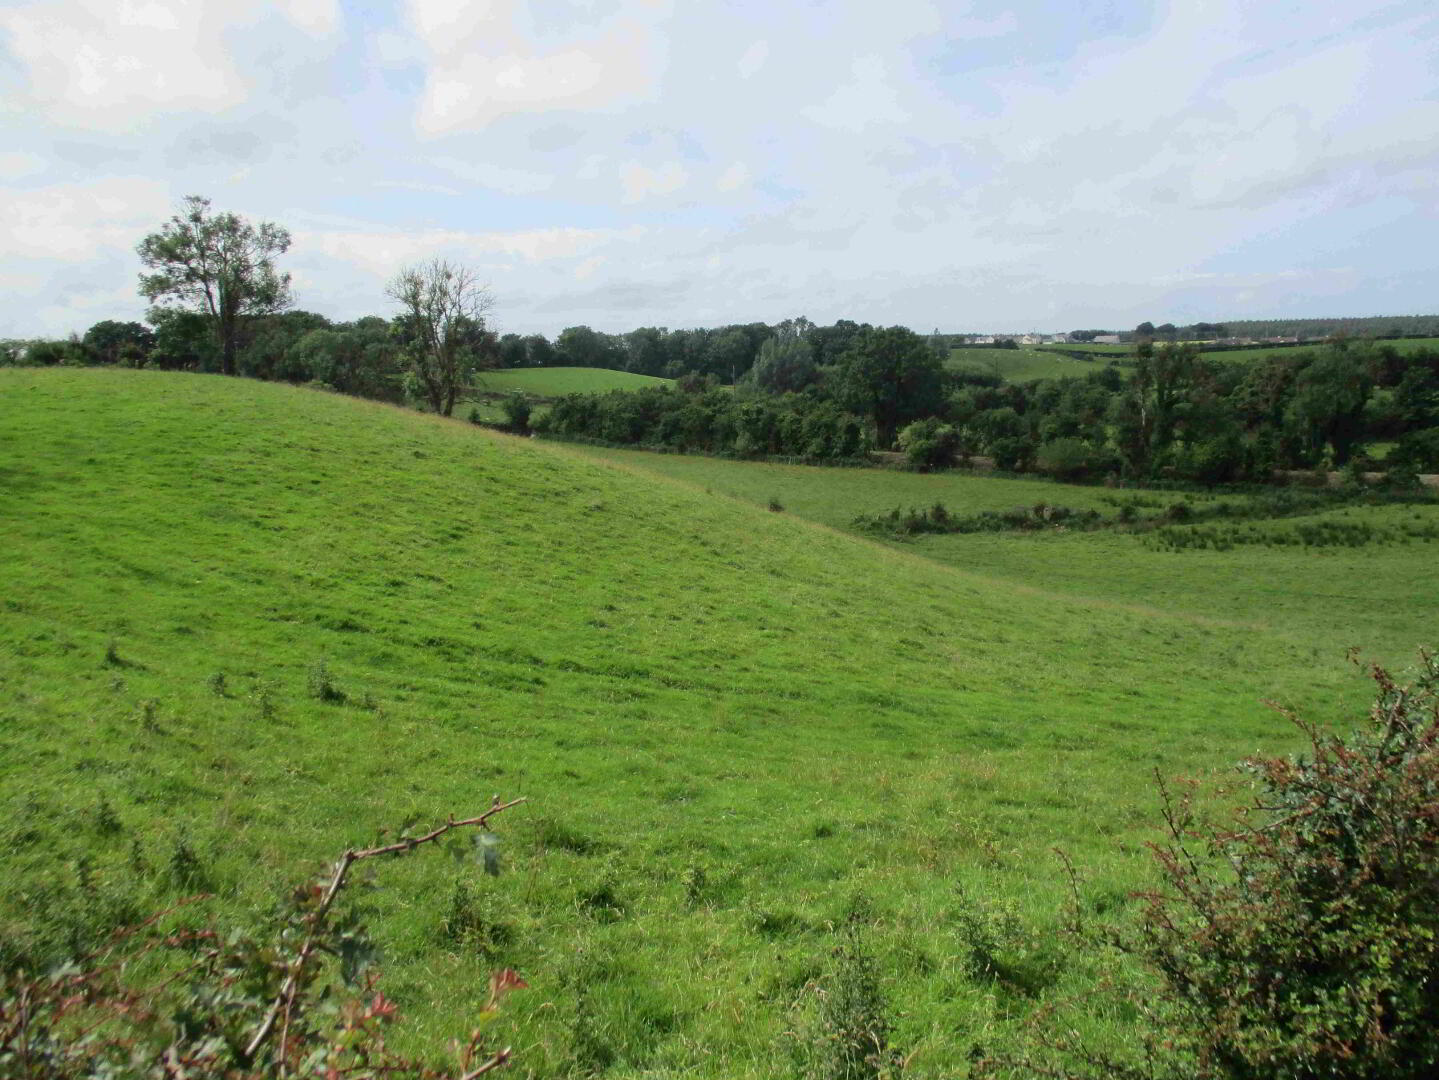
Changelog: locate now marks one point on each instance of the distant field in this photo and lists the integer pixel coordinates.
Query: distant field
(1021, 365)
(1405, 345)
(1085, 346)
(553, 382)
(1248, 355)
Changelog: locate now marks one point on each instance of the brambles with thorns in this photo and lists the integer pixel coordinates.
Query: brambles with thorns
(298, 1001)
(1303, 939)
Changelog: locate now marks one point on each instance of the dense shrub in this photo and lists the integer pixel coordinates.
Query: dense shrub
(931, 444)
(1220, 460)
(517, 412)
(1302, 940)
(1417, 452)
(1308, 945)
(1307, 534)
(1073, 459)
(1012, 453)
(938, 519)
(712, 421)
(847, 1036)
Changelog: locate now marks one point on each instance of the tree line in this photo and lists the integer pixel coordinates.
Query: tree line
(1176, 413)
(367, 356)
(220, 304)
(794, 388)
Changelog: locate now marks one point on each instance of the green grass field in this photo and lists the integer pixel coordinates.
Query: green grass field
(1246, 355)
(1324, 599)
(1086, 346)
(1021, 365)
(553, 382)
(738, 730)
(1404, 345)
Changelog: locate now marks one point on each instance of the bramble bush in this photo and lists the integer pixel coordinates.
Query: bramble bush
(938, 519)
(1308, 945)
(1302, 941)
(297, 1001)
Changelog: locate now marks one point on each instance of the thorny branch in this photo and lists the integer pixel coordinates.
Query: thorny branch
(283, 1008)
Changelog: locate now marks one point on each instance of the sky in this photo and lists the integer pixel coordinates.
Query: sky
(967, 166)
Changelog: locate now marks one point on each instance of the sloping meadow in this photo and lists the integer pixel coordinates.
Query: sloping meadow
(243, 626)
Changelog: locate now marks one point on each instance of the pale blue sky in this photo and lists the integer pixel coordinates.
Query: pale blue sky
(969, 166)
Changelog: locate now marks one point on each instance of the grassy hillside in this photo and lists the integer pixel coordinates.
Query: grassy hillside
(255, 624)
(552, 382)
(1323, 598)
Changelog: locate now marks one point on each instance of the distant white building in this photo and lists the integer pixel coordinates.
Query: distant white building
(1106, 339)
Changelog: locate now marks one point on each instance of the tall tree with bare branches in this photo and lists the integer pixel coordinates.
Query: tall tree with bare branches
(443, 327)
(218, 265)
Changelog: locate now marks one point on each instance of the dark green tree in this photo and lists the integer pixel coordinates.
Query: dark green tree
(1328, 402)
(892, 377)
(580, 346)
(361, 358)
(541, 352)
(645, 350)
(1145, 416)
(268, 352)
(513, 352)
(785, 363)
(218, 266)
(184, 341)
(111, 342)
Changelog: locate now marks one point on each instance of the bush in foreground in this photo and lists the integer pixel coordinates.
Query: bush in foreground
(1304, 941)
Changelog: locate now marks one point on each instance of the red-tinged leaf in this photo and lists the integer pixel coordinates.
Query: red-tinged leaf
(501, 983)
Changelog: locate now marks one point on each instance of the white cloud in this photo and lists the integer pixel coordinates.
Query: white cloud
(109, 65)
(316, 17)
(15, 164)
(496, 177)
(733, 178)
(752, 60)
(417, 185)
(484, 64)
(83, 221)
(99, 64)
(641, 182)
(867, 100)
(384, 252)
